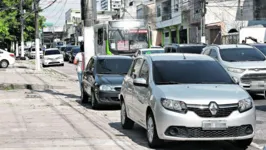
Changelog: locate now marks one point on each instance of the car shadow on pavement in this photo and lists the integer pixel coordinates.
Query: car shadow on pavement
(138, 135)
(101, 108)
(52, 92)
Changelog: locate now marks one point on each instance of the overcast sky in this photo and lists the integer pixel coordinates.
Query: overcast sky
(56, 13)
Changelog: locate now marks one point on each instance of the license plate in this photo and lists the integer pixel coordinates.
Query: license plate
(258, 84)
(214, 125)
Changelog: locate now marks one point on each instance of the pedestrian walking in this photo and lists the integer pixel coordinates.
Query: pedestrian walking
(79, 62)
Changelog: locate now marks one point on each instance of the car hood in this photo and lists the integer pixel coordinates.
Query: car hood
(111, 79)
(203, 94)
(53, 56)
(246, 65)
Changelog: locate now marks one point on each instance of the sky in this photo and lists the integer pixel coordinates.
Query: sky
(56, 13)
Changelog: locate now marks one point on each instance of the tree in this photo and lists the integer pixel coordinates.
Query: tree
(10, 21)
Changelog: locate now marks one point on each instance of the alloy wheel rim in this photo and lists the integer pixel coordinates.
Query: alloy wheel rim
(123, 114)
(4, 64)
(150, 129)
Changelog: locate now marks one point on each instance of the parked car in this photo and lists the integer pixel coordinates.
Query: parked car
(243, 62)
(64, 50)
(184, 48)
(51, 57)
(148, 51)
(6, 58)
(31, 53)
(186, 97)
(261, 47)
(103, 78)
(72, 54)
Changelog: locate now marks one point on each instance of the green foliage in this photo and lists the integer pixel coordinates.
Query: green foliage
(10, 20)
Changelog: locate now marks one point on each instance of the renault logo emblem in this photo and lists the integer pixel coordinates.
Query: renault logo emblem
(213, 107)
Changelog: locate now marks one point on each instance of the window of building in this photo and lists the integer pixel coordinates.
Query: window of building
(158, 10)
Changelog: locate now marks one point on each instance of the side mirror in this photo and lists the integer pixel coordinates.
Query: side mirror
(140, 82)
(236, 81)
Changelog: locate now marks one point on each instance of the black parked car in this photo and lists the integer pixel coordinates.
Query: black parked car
(72, 54)
(102, 79)
(184, 48)
(64, 50)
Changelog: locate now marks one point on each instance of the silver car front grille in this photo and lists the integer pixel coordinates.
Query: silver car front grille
(204, 111)
(248, 78)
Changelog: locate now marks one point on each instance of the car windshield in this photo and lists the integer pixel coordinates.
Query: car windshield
(191, 49)
(68, 49)
(52, 52)
(189, 72)
(76, 50)
(152, 51)
(113, 66)
(241, 54)
(262, 48)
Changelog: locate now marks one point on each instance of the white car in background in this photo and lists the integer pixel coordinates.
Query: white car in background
(52, 57)
(6, 59)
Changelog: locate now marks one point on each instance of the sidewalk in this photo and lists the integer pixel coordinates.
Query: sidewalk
(23, 76)
(42, 110)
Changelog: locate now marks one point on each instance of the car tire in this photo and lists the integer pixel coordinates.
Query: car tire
(62, 65)
(84, 96)
(244, 143)
(44, 66)
(94, 102)
(126, 123)
(153, 140)
(4, 64)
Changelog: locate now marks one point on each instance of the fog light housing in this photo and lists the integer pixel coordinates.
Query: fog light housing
(173, 131)
(249, 130)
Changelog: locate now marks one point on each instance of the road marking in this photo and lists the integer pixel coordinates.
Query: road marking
(255, 145)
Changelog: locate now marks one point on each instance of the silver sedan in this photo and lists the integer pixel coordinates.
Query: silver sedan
(186, 97)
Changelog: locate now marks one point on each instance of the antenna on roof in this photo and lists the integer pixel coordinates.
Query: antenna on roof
(184, 57)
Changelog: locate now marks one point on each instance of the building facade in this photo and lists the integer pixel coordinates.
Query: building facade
(113, 5)
(72, 26)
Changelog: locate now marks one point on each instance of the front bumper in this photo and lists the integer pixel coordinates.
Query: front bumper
(53, 62)
(245, 80)
(189, 126)
(108, 97)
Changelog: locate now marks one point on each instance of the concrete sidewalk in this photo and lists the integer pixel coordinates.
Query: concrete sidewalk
(23, 76)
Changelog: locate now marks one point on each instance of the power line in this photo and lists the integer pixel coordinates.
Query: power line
(62, 12)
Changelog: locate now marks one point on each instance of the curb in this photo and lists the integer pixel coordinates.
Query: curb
(9, 86)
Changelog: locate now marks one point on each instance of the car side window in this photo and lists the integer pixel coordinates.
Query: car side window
(144, 72)
(136, 68)
(213, 54)
(90, 64)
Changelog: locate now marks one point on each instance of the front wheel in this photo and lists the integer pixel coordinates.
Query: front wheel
(125, 121)
(84, 96)
(152, 136)
(94, 102)
(4, 64)
(244, 143)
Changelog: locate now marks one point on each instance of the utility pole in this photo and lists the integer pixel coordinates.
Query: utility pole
(22, 30)
(202, 21)
(89, 14)
(37, 38)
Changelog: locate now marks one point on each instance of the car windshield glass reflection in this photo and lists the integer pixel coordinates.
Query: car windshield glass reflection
(190, 72)
(262, 48)
(241, 54)
(52, 52)
(113, 66)
(152, 51)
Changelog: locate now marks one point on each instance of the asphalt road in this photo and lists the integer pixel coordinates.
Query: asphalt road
(138, 135)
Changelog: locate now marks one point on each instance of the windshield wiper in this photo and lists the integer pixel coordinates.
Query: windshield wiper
(170, 82)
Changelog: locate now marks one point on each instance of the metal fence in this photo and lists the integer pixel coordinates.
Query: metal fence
(232, 38)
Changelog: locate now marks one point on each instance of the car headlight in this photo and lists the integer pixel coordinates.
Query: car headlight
(61, 57)
(245, 105)
(106, 88)
(174, 105)
(236, 70)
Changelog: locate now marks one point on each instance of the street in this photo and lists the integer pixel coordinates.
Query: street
(81, 118)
